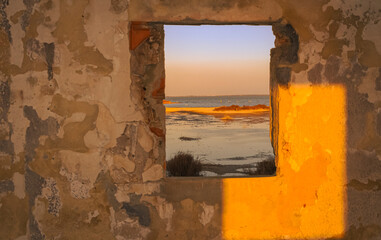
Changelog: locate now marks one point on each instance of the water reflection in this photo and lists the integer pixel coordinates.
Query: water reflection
(226, 147)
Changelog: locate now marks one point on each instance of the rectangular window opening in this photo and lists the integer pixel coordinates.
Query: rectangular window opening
(218, 100)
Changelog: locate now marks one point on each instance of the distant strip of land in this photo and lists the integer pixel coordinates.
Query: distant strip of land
(222, 111)
(168, 102)
(239, 108)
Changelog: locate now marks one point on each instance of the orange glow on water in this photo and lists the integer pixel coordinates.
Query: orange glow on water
(306, 199)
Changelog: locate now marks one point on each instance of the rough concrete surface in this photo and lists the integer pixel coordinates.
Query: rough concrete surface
(82, 124)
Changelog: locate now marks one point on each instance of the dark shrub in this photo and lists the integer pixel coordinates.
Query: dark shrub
(184, 164)
(266, 167)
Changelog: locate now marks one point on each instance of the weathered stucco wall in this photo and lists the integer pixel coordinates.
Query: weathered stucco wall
(82, 132)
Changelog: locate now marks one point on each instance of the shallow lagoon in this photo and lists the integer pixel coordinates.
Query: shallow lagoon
(236, 143)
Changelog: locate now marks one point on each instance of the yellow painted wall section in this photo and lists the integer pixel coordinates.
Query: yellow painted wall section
(306, 199)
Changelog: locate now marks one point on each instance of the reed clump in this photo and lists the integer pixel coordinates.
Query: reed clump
(184, 164)
(266, 167)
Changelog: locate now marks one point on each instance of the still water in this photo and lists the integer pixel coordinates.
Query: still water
(242, 140)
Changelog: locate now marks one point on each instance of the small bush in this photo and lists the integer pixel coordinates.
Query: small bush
(266, 167)
(184, 164)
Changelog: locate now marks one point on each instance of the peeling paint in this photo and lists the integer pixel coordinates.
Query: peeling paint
(140, 211)
(49, 56)
(207, 214)
(74, 132)
(333, 47)
(51, 192)
(379, 123)
(105, 181)
(4, 24)
(6, 186)
(6, 145)
(82, 124)
(14, 209)
(314, 75)
(378, 80)
(27, 14)
(19, 182)
(33, 187)
(70, 28)
(36, 129)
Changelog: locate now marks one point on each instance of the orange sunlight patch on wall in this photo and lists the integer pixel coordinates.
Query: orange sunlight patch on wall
(307, 198)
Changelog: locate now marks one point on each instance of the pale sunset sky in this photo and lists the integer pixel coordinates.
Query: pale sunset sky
(213, 60)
